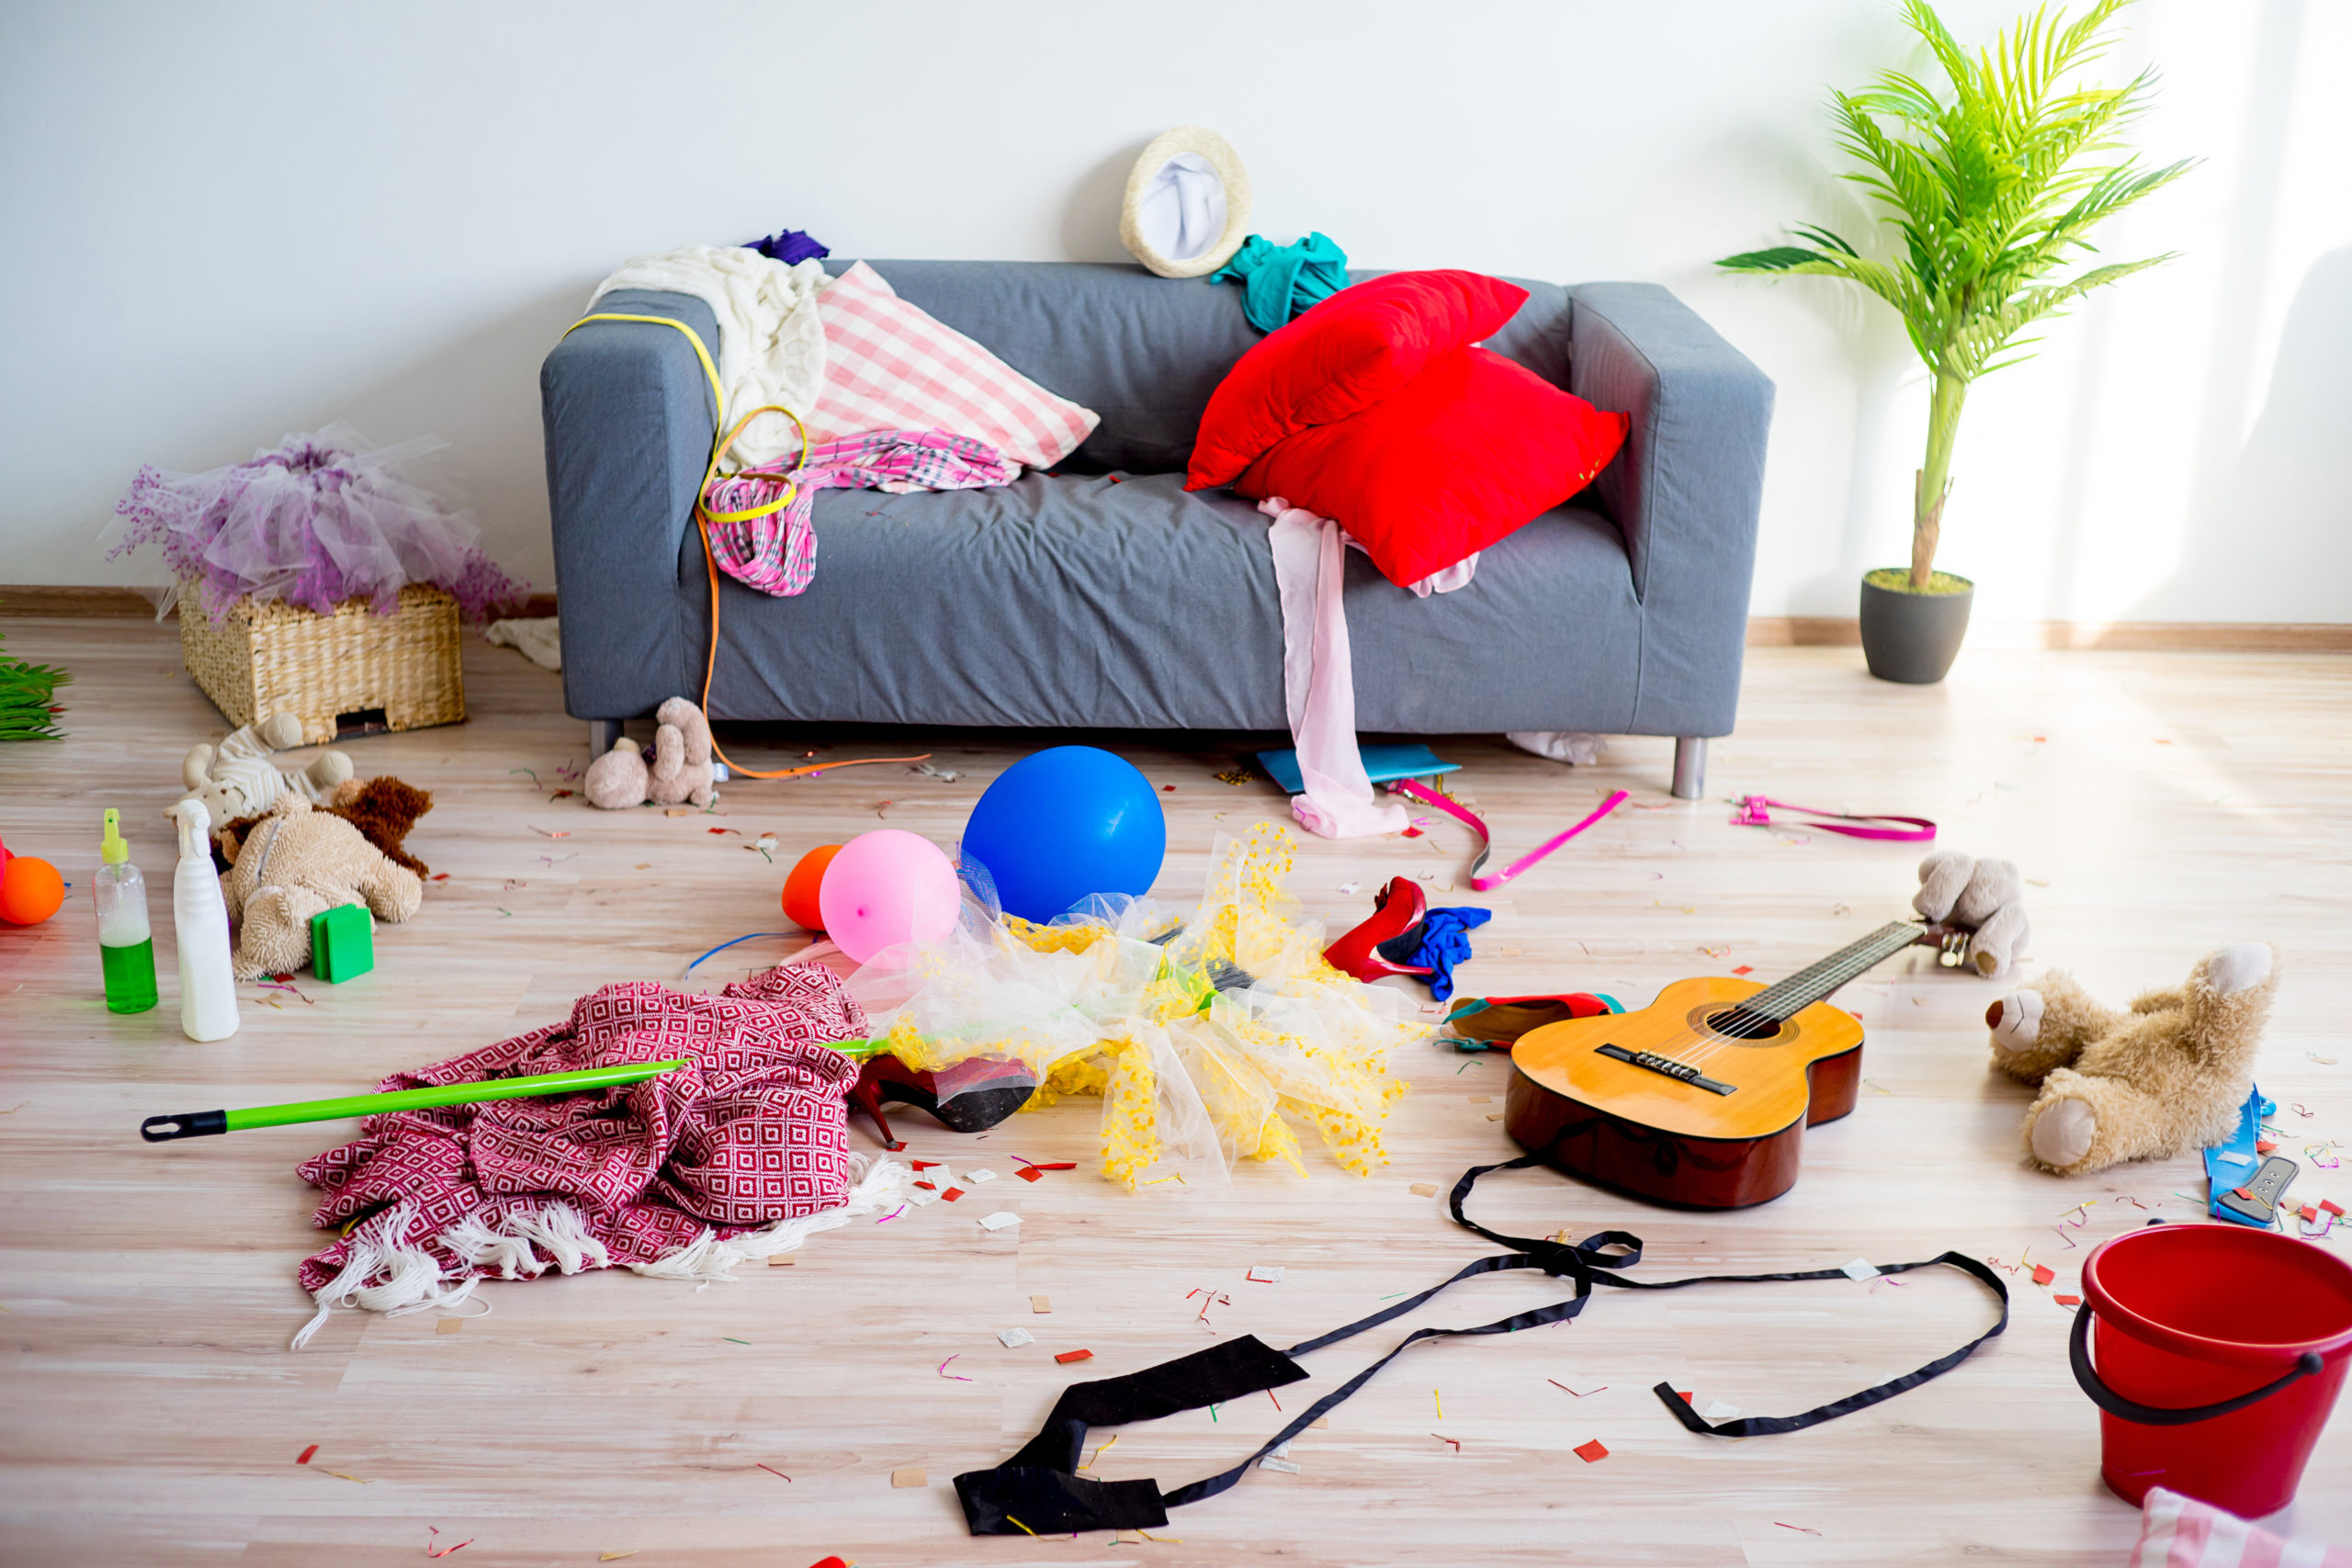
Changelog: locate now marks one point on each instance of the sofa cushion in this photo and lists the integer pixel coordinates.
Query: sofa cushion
(1143, 352)
(1059, 601)
(1355, 348)
(1471, 448)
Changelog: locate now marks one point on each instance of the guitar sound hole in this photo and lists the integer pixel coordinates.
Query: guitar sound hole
(1741, 1025)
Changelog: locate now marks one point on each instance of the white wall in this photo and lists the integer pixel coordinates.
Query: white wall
(228, 221)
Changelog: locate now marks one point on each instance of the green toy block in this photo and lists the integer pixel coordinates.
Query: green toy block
(343, 943)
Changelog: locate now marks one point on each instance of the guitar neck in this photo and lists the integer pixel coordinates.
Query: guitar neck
(1817, 981)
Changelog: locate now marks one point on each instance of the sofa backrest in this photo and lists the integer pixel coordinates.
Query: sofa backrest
(1142, 351)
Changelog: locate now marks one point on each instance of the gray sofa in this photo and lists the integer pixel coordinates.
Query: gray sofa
(1104, 595)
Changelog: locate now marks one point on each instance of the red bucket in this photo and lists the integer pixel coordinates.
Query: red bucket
(2220, 1349)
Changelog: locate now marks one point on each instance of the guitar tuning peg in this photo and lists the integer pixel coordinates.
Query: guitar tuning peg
(1955, 945)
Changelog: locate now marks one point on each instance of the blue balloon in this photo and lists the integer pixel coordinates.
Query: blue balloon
(1065, 823)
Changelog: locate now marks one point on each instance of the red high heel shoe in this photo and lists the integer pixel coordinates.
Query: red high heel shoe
(971, 1096)
(1381, 944)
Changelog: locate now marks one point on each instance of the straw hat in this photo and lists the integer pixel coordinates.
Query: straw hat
(1188, 203)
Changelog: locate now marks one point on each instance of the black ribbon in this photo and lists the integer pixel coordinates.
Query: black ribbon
(1038, 1490)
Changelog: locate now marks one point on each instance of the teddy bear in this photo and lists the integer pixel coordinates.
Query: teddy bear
(383, 808)
(2166, 1076)
(297, 861)
(237, 779)
(680, 770)
(1987, 896)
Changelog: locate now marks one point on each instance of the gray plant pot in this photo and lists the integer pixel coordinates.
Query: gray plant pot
(1913, 638)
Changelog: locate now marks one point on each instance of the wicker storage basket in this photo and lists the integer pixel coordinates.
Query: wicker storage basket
(352, 672)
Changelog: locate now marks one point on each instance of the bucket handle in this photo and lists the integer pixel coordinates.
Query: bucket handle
(2078, 1350)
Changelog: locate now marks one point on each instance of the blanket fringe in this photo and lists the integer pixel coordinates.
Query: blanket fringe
(879, 1183)
(382, 1275)
(411, 1278)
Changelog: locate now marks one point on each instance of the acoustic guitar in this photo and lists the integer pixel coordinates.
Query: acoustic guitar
(1701, 1099)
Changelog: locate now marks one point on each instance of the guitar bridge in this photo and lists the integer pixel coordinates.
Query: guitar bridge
(1681, 1072)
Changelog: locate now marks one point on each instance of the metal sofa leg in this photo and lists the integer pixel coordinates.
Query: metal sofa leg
(1690, 766)
(603, 732)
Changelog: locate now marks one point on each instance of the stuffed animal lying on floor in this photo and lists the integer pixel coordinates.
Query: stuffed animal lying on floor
(383, 808)
(299, 862)
(1987, 896)
(236, 778)
(2163, 1079)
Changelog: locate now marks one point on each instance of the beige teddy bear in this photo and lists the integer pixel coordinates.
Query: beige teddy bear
(2168, 1077)
(299, 862)
(679, 771)
(237, 779)
(1985, 896)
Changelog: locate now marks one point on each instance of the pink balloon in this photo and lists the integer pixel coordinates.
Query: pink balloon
(886, 887)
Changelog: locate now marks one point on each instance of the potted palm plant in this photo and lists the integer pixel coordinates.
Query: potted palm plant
(1990, 189)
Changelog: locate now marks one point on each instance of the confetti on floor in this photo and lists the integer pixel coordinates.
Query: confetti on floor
(1264, 1276)
(997, 1221)
(2043, 1274)
(951, 1194)
(1283, 1465)
(1799, 1528)
(616, 1556)
(1744, 969)
(953, 1377)
(1566, 1389)
(1591, 1452)
(977, 1177)
(2067, 1301)
(908, 1475)
(1069, 1356)
(435, 1535)
(1014, 1338)
(774, 1471)
(346, 1475)
(1424, 1189)
(1861, 1268)
(1041, 1303)
(450, 1325)
(1717, 1410)
(780, 1261)
(304, 1457)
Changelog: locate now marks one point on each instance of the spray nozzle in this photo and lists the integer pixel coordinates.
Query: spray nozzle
(195, 822)
(113, 850)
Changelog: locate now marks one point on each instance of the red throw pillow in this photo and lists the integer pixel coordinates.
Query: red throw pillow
(1340, 357)
(1470, 449)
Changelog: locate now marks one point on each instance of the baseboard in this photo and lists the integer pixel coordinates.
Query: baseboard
(41, 599)
(2129, 636)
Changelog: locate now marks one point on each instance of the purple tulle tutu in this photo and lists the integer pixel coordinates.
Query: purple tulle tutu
(323, 518)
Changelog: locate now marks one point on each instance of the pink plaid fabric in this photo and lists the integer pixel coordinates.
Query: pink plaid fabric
(891, 366)
(777, 554)
(2181, 1532)
(753, 1131)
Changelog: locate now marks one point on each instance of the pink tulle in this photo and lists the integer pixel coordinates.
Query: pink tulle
(323, 518)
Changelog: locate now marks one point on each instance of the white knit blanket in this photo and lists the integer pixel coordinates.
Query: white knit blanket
(770, 344)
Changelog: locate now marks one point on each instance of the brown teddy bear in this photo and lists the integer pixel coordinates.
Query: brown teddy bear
(2165, 1077)
(297, 861)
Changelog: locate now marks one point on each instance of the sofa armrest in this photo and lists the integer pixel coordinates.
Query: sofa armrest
(1684, 491)
(630, 423)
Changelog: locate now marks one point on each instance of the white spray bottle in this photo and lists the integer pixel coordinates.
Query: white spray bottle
(200, 916)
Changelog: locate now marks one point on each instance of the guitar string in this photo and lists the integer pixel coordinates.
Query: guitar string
(1857, 959)
(1838, 969)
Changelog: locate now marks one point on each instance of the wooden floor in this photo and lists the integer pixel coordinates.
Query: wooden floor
(151, 1413)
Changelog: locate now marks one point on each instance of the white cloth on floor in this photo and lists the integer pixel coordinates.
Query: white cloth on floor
(1319, 683)
(536, 639)
(1560, 745)
(770, 343)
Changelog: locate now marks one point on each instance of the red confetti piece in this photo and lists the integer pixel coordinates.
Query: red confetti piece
(440, 876)
(447, 1550)
(1744, 969)
(2043, 1274)
(1030, 1173)
(2306, 1212)
(2263, 1145)
(774, 1471)
(560, 794)
(2330, 1205)
(1442, 1438)
(2067, 1301)
(1591, 1452)
(2240, 1193)
(722, 829)
(1411, 833)
(1682, 1396)
(924, 1164)
(1270, 1394)
(1069, 1356)
(1789, 1526)
(927, 1186)
(305, 1454)
(951, 1195)
(1168, 789)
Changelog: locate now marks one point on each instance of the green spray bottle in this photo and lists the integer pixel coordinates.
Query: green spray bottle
(126, 945)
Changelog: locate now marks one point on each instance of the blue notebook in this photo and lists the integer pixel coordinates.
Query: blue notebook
(1380, 763)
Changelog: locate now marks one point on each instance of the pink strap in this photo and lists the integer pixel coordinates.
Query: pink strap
(1486, 841)
(1752, 813)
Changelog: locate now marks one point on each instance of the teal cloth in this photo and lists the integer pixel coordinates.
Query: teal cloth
(1281, 283)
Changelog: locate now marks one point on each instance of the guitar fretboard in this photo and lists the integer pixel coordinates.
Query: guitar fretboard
(1816, 981)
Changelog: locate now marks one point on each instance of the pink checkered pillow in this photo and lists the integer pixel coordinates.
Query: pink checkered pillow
(891, 367)
(2181, 1532)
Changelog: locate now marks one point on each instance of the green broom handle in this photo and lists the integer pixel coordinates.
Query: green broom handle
(199, 1123)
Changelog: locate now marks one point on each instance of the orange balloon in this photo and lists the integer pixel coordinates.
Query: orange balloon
(800, 887)
(31, 891)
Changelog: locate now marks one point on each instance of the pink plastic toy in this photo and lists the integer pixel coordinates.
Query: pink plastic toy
(886, 887)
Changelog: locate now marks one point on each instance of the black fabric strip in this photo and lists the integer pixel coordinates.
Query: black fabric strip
(1038, 1490)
